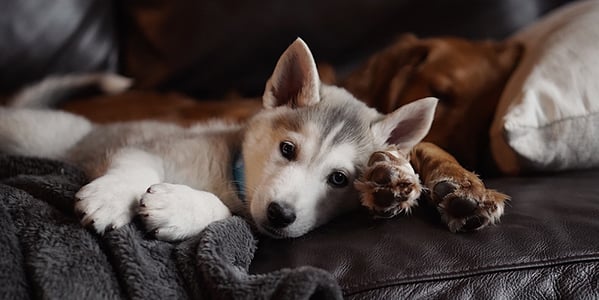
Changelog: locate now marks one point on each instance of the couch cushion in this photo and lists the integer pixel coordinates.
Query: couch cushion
(41, 37)
(546, 246)
(548, 116)
(208, 48)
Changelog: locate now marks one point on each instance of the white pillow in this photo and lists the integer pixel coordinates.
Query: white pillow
(548, 116)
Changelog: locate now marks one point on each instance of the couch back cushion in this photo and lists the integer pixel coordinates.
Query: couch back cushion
(548, 116)
(208, 48)
(41, 37)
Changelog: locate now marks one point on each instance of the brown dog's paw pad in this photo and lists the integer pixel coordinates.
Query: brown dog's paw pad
(389, 185)
(467, 206)
(460, 207)
(381, 175)
(475, 223)
(384, 198)
(443, 189)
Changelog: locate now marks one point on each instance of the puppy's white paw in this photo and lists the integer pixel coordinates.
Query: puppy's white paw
(107, 203)
(174, 211)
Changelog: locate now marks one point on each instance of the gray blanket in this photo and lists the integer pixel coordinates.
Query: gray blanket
(45, 253)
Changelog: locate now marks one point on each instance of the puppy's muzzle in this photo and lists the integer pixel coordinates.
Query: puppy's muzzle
(280, 214)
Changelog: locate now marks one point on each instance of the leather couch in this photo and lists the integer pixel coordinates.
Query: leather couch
(547, 244)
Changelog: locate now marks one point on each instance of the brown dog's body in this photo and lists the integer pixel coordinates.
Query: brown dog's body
(466, 76)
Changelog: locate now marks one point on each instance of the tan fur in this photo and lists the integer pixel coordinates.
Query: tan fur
(388, 188)
(438, 167)
(466, 76)
(389, 185)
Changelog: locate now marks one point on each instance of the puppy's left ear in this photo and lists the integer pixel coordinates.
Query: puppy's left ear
(295, 80)
(407, 125)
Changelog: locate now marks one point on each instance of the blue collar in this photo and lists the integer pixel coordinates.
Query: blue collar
(239, 176)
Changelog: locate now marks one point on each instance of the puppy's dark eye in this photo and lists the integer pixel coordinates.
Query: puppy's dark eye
(338, 179)
(287, 150)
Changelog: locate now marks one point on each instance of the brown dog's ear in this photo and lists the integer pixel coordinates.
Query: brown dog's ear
(407, 125)
(327, 74)
(381, 80)
(295, 80)
(509, 54)
(406, 38)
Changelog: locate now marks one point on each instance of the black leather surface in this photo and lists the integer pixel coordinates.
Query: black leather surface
(546, 246)
(567, 281)
(41, 37)
(208, 48)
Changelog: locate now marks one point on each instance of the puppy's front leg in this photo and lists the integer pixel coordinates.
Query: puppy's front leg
(110, 201)
(463, 201)
(175, 211)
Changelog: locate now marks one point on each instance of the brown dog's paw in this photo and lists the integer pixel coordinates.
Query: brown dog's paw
(389, 184)
(466, 205)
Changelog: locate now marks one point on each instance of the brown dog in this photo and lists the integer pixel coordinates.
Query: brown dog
(467, 77)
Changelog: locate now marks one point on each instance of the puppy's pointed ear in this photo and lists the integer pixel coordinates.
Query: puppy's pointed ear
(295, 81)
(407, 125)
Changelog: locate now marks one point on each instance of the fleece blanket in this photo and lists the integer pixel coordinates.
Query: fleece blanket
(45, 253)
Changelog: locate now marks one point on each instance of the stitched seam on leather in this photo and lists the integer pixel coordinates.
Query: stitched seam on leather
(399, 280)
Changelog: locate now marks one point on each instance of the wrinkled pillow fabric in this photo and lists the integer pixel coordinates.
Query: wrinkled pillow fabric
(548, 116)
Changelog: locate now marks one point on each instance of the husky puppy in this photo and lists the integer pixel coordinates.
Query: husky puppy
(290, 168)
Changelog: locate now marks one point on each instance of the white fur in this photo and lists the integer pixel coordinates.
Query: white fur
(193, 209)
(111, 200)
(37, 95)
(40, 133)
(294, 66)
(408, 125)
(303, 184)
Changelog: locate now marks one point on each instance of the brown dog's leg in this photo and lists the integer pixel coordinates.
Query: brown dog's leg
(463, 201)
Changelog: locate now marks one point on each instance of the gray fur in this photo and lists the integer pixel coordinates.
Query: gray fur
(354, 115)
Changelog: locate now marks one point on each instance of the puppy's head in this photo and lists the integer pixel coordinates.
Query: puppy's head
(303, 152)
(466, 76)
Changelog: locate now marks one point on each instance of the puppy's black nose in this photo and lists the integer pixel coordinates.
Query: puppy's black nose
(280, 214)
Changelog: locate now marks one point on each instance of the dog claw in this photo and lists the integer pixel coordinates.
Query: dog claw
(109, 228)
